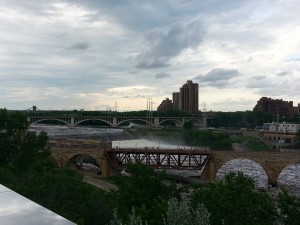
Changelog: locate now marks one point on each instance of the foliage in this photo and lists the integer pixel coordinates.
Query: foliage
(181, 213)
(234, 200)
(26, 167)
(19, 147)
(289, 206)
(215, 140)
(239, 119)
(218, 141)
(177, 213)
(188, 125)
(133, 219)
(145, 191)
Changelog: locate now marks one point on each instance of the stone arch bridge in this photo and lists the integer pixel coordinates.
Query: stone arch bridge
(272, 162)
(196, 159)
(113, 121)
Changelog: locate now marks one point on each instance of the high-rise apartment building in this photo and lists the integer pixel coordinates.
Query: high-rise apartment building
(175, 100)
(186, 99)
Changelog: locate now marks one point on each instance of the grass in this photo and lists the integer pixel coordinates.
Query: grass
(256, 146)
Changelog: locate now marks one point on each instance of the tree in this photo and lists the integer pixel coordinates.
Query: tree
(19, 147)
(289, 206)
(26, 167)
(177, 213)
(234, 201)
(144, 191)
(181, 213)
(188, 125)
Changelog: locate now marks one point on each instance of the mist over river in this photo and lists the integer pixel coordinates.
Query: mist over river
(289, 177)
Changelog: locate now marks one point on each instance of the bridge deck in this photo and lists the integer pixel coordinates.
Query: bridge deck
(180, 159)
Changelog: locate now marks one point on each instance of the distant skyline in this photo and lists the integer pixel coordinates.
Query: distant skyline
(74, 54)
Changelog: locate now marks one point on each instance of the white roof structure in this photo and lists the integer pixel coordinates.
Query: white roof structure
(18, 210)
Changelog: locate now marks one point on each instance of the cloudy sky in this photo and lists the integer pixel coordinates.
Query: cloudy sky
(96, 54)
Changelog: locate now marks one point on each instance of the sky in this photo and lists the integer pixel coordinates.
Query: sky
(116, 54)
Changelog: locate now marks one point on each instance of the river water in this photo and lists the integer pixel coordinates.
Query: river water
(289, 177)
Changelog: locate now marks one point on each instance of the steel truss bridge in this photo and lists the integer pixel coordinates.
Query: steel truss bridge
(113, 121)
(179, 159)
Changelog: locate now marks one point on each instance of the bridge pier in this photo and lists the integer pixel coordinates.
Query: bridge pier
(106, 168)
(114, 124)
(209, 172)
(72, 124)
(156, 122)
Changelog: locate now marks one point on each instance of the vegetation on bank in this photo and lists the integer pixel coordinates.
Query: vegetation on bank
(143, 198)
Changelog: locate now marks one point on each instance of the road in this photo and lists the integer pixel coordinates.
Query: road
(99, 183)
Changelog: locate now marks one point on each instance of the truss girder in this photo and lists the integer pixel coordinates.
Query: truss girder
(160, 158)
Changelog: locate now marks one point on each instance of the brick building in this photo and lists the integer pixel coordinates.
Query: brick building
(276, 106)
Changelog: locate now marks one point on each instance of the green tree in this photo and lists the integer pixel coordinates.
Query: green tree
(177, 213)
(181, 213)
(188, 125)
(289, 206)
(144, 191)
(26, 167)
(19, 147)
(235, 201)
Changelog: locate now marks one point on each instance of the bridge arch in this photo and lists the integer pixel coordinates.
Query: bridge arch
(49, 119)
(193, 119)
(249, 168)
(177, 121)
(85, 162)
(133, 120)
(290, 176)
(89, 119)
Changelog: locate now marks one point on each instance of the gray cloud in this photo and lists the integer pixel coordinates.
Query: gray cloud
(217, 77)
(163, 45)
(258, 81)
(259, 77)
(283, 73)
(79, 46)
(230, 104)
(162, 75)
(39, 39)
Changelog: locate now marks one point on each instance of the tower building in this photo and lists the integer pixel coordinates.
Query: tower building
(188, 97)
(185, 100)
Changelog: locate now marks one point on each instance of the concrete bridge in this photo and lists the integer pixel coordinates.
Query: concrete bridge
(209, 162)
(113, 121)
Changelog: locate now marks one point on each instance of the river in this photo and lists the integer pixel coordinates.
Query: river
(289, 177)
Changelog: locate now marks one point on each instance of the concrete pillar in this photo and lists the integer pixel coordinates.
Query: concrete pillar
(182, 122)
(114, 121)
(156, 121)
(72, 121)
